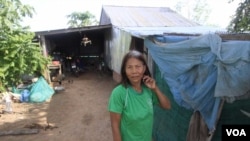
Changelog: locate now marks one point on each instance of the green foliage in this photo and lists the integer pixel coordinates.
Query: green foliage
(201, 12)
(197, 10)
(79, 19)
(241, 20)
(18, 54)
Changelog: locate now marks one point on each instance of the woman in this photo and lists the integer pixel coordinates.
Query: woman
(131, 102)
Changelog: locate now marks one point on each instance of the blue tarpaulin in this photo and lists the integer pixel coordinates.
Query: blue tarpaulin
(200, 71)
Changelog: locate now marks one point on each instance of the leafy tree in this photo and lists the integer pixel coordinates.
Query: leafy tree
(18, 54)
(79, 19)
(195, 10)
(241, 20)
(201, 12)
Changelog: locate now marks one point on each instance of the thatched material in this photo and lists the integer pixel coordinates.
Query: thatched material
(240, 36)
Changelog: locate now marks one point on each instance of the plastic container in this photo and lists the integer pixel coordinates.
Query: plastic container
(8, 103)
(25, 95)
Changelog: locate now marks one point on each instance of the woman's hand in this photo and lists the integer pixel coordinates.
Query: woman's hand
(149, 82)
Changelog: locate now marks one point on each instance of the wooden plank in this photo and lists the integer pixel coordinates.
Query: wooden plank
(19, 132)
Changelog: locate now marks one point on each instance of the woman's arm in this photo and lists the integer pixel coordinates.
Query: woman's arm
(115, 125)
(164, 101)
(150, 83)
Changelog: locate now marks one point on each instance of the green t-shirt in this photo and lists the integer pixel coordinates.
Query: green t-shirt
(136, 110)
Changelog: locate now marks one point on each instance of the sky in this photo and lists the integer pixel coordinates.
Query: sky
(51, 14)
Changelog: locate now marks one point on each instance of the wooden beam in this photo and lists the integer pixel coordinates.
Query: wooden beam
(19, 132)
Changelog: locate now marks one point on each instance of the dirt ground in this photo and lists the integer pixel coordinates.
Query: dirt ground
(79, 113)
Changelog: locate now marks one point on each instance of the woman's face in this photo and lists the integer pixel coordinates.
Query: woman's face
(134, 70)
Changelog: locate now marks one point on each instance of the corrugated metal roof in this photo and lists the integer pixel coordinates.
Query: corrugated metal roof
(72, 30)
(131, 16)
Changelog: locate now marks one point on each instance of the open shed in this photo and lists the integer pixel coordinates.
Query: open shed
(64, 43)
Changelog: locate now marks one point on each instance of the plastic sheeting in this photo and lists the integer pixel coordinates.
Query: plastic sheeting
(201, 70)
(41, 91)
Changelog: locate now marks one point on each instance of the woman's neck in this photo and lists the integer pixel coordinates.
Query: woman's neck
(137, 87)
